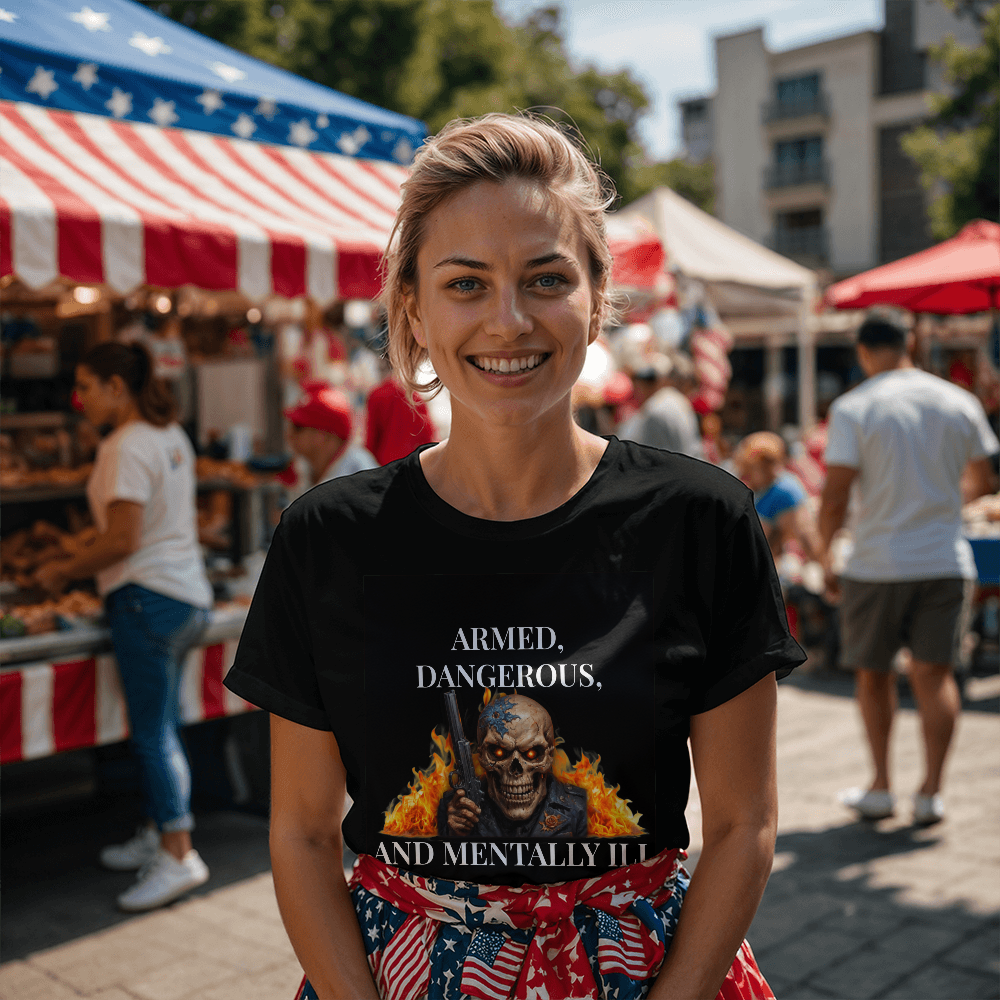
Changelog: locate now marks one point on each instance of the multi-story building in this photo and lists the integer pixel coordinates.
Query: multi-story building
(806, 142)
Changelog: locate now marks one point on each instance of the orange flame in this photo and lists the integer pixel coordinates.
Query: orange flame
(414, 813)
(608, 815)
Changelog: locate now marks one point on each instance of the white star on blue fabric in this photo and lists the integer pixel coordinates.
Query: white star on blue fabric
(372, 933)
(228, 73)
(8, 15)
(403, 151)
(301, 133)
(244, 126)
(154, 46)
(350, 142)
(42, 83)
(210, 100)
(266, 107)
(91, 19)
(120, 104)
(322, 121)
(162, 112)
(86, 75)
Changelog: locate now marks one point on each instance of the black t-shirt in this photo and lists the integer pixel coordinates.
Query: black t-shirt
(574, 647)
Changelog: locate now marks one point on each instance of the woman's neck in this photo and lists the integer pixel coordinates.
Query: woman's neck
(511, 473)
(128, 414)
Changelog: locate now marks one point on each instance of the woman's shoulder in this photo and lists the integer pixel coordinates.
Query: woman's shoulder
(356, 498)
(675, 476)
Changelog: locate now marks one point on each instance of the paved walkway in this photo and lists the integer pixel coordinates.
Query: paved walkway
(853, 910)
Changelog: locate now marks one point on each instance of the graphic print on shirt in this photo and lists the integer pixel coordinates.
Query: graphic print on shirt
(514, 747)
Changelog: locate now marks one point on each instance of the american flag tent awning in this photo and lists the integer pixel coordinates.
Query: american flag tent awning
(95, 200)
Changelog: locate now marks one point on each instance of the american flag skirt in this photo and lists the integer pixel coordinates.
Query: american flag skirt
(603, 937)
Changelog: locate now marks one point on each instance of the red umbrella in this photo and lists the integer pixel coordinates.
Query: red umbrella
(961, 275)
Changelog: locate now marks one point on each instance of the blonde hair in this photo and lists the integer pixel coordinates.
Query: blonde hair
(495, 148)
(763, 446)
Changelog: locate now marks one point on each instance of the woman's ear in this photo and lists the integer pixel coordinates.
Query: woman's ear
(596, 317)
(413, 318)
(117, 384)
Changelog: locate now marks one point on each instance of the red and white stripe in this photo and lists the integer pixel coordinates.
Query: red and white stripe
(710, 352)
(100, 201)
(68, 704)
(405, 961)
(628, 955)
(496, 981)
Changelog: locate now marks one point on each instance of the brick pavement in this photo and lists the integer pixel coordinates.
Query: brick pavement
(853, 910)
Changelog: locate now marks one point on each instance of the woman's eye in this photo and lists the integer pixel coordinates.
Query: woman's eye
(550, 281)
(465, 285)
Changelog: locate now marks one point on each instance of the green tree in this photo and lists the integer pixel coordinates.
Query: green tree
(958, 150)
(694, 181)
(435, 60)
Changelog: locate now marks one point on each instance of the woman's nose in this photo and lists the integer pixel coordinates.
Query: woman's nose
(509, 319)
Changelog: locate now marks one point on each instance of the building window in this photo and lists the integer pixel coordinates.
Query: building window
(801, 234)
(694, 112)
(797, 161)
(796, 97)
(903, 226)
(902, 67)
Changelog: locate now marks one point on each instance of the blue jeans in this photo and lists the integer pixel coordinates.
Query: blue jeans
(151, 634)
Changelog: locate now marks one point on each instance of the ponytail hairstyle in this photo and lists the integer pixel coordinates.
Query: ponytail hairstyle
(134, 365)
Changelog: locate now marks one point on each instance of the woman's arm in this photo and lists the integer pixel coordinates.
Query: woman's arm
(733, 748)
(308, 789)
(122, 537)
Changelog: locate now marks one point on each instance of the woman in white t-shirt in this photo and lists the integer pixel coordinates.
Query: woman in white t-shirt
(149, 570)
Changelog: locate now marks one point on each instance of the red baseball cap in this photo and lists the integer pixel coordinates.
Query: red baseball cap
(326, 410)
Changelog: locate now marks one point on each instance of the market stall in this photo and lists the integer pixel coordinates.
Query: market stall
(757, 293)
(110, 218)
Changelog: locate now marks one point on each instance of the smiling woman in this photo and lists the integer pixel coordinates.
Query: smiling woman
(654, 616)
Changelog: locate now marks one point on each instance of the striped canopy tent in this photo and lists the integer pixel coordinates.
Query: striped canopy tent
(98, 201)
(134, 151)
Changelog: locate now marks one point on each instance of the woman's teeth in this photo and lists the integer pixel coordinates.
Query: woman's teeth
(510, 365)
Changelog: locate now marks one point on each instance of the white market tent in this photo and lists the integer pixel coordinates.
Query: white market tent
(756, 291)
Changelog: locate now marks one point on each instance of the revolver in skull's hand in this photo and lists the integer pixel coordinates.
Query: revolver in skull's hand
(463, 777)
(463, 814)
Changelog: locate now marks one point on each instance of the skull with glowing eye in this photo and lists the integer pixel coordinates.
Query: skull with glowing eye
(516, 746)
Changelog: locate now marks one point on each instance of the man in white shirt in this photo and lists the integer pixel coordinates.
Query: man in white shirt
(320, 431)
(904, 437)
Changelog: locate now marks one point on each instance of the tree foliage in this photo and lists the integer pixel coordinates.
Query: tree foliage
(436, 60)
(694, 181)
(958, 150)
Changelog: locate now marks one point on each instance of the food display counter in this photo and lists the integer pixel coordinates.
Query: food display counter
(61, 690)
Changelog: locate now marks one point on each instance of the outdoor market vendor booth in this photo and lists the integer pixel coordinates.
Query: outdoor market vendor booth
(763, 299)
(146, 170)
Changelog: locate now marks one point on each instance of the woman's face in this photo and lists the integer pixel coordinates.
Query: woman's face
(100, 400)
(504, 303)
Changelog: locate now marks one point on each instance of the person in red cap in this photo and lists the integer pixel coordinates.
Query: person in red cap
(320, 431)
(395, 427)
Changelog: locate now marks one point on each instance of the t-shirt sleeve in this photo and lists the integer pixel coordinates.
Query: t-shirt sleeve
(134, 476)
(749, 635)
(842, 447)
(274, 666)
(986, 442)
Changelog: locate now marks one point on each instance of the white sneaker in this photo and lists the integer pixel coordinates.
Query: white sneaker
(868, 804)
(134, 853)
(927, 809)
(164, 879)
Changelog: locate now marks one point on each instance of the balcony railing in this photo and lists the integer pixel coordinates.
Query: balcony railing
(779, 111)
(782, 175)
(805, 241)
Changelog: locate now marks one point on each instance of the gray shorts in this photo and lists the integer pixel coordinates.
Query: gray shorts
(877, 619)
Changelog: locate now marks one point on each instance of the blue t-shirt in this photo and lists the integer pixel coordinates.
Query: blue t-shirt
(785, 493)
